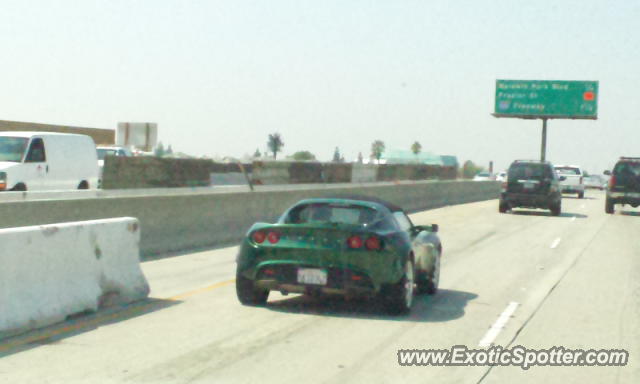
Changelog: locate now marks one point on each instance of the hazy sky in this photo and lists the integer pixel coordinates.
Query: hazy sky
(219, 76)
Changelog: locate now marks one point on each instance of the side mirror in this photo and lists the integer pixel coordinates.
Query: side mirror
(607, 172)
(562, 178)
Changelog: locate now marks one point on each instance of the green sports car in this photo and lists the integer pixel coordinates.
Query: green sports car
(355, 246)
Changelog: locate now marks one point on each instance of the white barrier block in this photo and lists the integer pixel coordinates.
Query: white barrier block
(361, 173)
(52, 271)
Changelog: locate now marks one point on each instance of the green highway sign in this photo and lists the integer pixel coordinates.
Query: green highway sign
(543, 99)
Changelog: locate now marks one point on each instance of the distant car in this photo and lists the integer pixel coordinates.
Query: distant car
(483, 176)
(32, 161)
(104, 151)
(531, 184)
(138, 152)
(354, 246)
(624, 184)
(595, 182)
(573, 181)
(501, 176)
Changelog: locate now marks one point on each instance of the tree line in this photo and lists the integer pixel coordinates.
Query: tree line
(275, 143)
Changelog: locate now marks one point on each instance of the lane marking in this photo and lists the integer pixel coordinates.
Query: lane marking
(201, 290)
(37, 335)
(136, 309)
(495, 329)
(555, 243)
(573, 218)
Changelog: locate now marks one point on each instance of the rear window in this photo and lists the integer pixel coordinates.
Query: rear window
(524, 171)
(332, 213)
(628, 168)
(568, 170)
(102, 152)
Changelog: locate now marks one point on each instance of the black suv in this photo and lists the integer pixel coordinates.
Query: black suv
(531, 184)
(624, 184)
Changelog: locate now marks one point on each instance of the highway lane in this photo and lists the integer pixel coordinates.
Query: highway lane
(574, 280)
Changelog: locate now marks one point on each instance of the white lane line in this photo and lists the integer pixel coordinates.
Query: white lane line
(583, 206)
(495, 329)
(573, 218)
(555, 243)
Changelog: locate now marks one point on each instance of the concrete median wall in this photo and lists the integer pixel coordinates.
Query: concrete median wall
(364, 173)
(52, 271)
(175, 220)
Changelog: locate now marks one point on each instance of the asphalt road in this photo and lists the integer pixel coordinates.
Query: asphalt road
(573, 280)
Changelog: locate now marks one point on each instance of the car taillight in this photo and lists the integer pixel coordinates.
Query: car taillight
(373, 243)
(612, 181)
(354, 242)
(258, 237)
(273, 237)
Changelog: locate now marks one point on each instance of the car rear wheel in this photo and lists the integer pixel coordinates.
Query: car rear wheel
(556, 209)
(608, 206)
(400, 295)
(580, 195)
(247, 292)
(503, 207)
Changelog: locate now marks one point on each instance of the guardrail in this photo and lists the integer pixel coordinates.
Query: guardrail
(178, 219)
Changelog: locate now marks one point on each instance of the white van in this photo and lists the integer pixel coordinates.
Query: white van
(37, 161)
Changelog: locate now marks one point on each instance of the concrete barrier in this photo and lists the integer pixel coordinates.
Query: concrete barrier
(270, 172)
(181, 219)
(230, 178)
(363, 173)
(52, 271)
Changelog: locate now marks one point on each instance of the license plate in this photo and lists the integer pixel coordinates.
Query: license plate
(529, 185)
(312, 276)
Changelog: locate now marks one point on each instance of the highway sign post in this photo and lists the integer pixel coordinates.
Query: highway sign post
(546, 99)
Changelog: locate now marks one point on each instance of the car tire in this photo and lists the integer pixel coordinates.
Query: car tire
(556, 209)
(399, 296)
(608, 206)
(580, 195)
(428, 281)
(503, 207)
(19, 188)
(248, 294)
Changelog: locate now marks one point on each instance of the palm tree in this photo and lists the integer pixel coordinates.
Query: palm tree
(377, 149)
(416, 147)
(275, 144)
